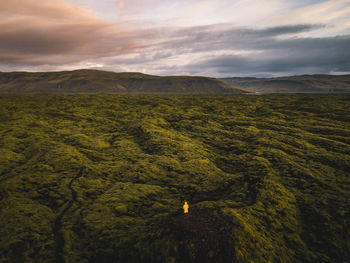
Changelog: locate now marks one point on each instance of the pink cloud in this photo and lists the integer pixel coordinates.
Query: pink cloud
(52, 9)
(50, 32)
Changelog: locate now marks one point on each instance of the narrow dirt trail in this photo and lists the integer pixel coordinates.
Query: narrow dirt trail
(57, 229)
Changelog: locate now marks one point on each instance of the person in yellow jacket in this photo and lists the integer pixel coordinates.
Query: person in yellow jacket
(186, 206)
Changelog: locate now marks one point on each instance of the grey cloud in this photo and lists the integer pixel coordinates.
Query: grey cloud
(228, 29)
(220, 36)
(296, 56)
(34, 41)
(140, 58)
(283, 30)
(269, 54)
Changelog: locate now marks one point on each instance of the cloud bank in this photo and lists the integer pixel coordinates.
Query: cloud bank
(57, 35)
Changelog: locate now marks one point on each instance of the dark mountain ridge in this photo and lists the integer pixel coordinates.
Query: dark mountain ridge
(294, 84)
(95, 81)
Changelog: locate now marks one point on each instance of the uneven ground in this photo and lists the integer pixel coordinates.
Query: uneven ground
(102, 178)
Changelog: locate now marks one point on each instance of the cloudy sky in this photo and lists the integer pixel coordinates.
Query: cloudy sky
(177, 37)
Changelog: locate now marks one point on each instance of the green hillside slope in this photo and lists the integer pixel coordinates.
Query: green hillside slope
(94, 81)
(103, 178)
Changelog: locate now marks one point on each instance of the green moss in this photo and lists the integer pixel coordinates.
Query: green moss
(267, 176)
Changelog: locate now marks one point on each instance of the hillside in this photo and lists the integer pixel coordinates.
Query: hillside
(94, 81)
(103, 178)
(294, 84)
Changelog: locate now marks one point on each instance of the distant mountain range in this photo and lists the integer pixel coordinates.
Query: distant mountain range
(294, 84)
(94, 81)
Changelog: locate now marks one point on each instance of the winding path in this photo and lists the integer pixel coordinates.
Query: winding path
(57, 229)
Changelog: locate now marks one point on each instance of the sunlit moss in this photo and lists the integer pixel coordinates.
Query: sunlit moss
(267, 176)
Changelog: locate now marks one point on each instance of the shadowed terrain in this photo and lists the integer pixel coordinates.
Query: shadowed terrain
(95, 81)
(294, 84)
(103, 178)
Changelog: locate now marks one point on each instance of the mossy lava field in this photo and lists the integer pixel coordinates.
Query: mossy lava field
(103, 178)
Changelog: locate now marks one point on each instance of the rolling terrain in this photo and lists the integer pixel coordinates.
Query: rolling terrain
(94, 81)
(294, 84)
(102, 178)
